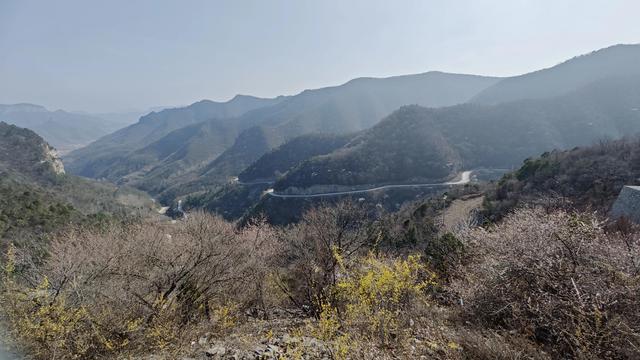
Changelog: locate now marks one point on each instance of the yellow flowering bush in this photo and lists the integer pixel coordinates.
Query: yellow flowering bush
(374, 299)
(42, 318)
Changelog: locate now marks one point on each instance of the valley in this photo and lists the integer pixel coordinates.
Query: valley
(262, 141)
(345, 180)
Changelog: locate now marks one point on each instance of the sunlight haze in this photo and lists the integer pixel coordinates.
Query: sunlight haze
(123, 55)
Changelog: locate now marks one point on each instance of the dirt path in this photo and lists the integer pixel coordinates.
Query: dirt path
(459, 212)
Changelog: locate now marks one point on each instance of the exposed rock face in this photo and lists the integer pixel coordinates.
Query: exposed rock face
(53, 159)
(628, 204)
(23, 151)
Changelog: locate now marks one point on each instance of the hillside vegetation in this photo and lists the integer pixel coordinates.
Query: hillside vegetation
(586, 178)
(96, 159)
(276, 162)
(37, 197)
(236, 199)
(342, 283)
(404, 147)
(419, 143)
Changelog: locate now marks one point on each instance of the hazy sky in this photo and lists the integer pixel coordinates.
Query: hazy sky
(117, 55)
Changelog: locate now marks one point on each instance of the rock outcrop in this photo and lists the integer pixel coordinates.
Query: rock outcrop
(51, 156)
(627, 204)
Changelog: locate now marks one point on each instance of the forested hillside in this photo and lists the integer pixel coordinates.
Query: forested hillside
(36, 196)
(162, 152)
(98, 158)
(404, 147)
(276, 162)
(585, 178)
(425, 143)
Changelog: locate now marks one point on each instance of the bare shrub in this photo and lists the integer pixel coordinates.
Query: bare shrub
(558, 279)
(262, 250)
(138, 286)
(326, 239)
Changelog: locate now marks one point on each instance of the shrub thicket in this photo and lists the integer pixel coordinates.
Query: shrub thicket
(538, 285)
(557, 279)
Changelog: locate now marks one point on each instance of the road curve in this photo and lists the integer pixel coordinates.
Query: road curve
(235, 180)
(465, 177)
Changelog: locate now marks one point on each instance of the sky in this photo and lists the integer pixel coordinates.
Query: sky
(121, 55)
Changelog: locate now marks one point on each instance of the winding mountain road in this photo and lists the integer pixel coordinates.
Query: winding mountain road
(465, 177)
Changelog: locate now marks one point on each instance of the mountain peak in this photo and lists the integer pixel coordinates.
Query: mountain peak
(240, 97)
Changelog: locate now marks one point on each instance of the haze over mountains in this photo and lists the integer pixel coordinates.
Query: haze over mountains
(460, 122)
(265, 124)
(134, 147)
(345, 180)
(418, 144)
(64, 130)
(614, 61)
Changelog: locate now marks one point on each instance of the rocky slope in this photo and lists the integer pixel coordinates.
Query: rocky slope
(36, 196)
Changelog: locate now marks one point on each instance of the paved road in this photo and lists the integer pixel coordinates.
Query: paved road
(465, 177)
(235, 180)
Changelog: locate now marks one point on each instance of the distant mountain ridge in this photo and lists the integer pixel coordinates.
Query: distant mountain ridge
(96, 159)
(614, 61)
(21, 107)
(420, 143)
(353, 106)
(462, 121)
(229, 144)
(64, 130)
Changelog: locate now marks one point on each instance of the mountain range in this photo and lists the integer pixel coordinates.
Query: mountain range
(614, 61)
(261, 124)
(159, 135)
(66, 131)
(417, 144)
(368, 131)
